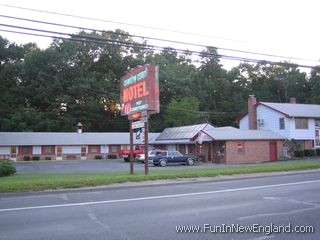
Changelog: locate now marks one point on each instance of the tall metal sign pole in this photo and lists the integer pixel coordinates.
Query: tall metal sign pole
(140, 94)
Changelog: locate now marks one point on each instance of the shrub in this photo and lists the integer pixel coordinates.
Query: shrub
(112, 156)
(26, 158)
(47, 158)
(36, 158)
(6, 168)
(98, 157)
(318, 151)
(309, 152)
(299, 153)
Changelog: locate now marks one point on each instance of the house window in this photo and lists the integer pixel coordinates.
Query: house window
(240, 148)
(281, 123)
(301, 123)
(94, 149)
(47, 150)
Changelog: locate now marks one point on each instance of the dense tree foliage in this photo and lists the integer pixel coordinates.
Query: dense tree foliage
(77, 80)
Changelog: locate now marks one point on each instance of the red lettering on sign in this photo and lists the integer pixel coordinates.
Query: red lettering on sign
(135, 91)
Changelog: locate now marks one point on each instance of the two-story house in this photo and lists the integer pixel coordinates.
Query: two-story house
(300, 122)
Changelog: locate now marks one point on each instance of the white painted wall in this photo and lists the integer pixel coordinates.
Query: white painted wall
(271, 121)
(302, 134)
(244, 122)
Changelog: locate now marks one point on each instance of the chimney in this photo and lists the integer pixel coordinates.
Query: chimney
(79, 127)
(252, 112)
(292, 100)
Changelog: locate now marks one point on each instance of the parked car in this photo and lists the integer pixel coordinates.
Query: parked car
(165, 157)
(141, 157)
(125, 154)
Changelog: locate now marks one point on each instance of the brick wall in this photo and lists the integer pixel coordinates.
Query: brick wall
(253, 152)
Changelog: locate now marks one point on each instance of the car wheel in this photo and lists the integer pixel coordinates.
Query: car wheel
(190, 161)
(163, 162)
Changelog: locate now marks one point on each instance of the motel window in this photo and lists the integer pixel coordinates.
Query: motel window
(25, 150)
(94, 149)
(301, 123)
(113, 148)
(240, 148)
(281, 123)
(47, 149)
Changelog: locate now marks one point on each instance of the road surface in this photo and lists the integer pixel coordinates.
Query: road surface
(278, 203)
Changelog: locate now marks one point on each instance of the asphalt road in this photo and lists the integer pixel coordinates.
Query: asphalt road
(283, 201)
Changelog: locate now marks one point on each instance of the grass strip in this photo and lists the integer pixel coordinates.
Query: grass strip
(24, 182)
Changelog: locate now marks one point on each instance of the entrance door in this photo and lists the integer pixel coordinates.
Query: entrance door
(273, 151)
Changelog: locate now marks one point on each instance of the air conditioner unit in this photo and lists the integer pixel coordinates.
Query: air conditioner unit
(260, 122)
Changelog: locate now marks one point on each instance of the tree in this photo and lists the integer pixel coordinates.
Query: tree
(11, 59)
(184, 111)
(314, 86)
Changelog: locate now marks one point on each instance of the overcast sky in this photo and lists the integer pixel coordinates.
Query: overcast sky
(276, 27)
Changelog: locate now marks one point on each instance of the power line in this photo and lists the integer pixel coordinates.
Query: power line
(152, 38)
(122, 23)
(88, 39)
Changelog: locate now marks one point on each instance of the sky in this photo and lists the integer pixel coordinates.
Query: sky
(289, 29)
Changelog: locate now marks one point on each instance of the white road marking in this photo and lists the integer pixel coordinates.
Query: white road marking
(157, 197)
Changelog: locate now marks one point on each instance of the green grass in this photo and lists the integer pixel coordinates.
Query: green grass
(37, 182)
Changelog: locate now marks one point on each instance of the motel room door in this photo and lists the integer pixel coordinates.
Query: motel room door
(273, 151)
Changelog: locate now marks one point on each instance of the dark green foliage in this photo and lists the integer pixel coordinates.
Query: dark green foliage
(309, 152)
(299, 153)
(47, 158)
(35, 158)
(72, 81)
(6, 168)
(98, 157)
(112, 156)
(26, 158)
(318, 151)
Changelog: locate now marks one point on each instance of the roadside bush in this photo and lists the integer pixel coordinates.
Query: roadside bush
(98, 157)
(47, 158)
(26, 158)
(318, 151)
(6, 168)
(112, 156)
(36, 158)
(309, 152)
(299, 153)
